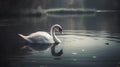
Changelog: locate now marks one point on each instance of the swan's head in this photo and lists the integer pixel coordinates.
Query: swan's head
(58, 28)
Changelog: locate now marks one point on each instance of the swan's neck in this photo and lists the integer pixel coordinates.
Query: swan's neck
(52, 32)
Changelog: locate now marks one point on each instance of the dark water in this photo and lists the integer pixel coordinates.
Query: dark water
(88, 40)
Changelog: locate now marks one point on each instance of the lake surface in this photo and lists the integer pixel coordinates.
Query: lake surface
(88, 40)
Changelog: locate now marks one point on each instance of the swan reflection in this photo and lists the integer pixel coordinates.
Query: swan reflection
(42, 47)
(54, 53)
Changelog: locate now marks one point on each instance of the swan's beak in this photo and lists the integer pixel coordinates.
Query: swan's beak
(60, 31)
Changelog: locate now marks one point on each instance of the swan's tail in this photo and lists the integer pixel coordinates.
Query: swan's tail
(24, 37)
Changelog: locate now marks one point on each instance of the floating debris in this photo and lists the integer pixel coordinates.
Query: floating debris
(74, 59)
(94, 57)
(43, 66)
(74, 53)
(107, 43)
(83, 50)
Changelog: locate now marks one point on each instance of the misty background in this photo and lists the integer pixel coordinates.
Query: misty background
(9, 6)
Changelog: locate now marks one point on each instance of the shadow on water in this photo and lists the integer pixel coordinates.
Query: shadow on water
(43, 47)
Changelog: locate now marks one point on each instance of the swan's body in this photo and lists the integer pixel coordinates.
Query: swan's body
(44, 37)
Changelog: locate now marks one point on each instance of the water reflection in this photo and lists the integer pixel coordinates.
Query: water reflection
(40, 47)
(54, 53)
(43, 47)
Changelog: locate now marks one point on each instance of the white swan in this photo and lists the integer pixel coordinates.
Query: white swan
(44, 37)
